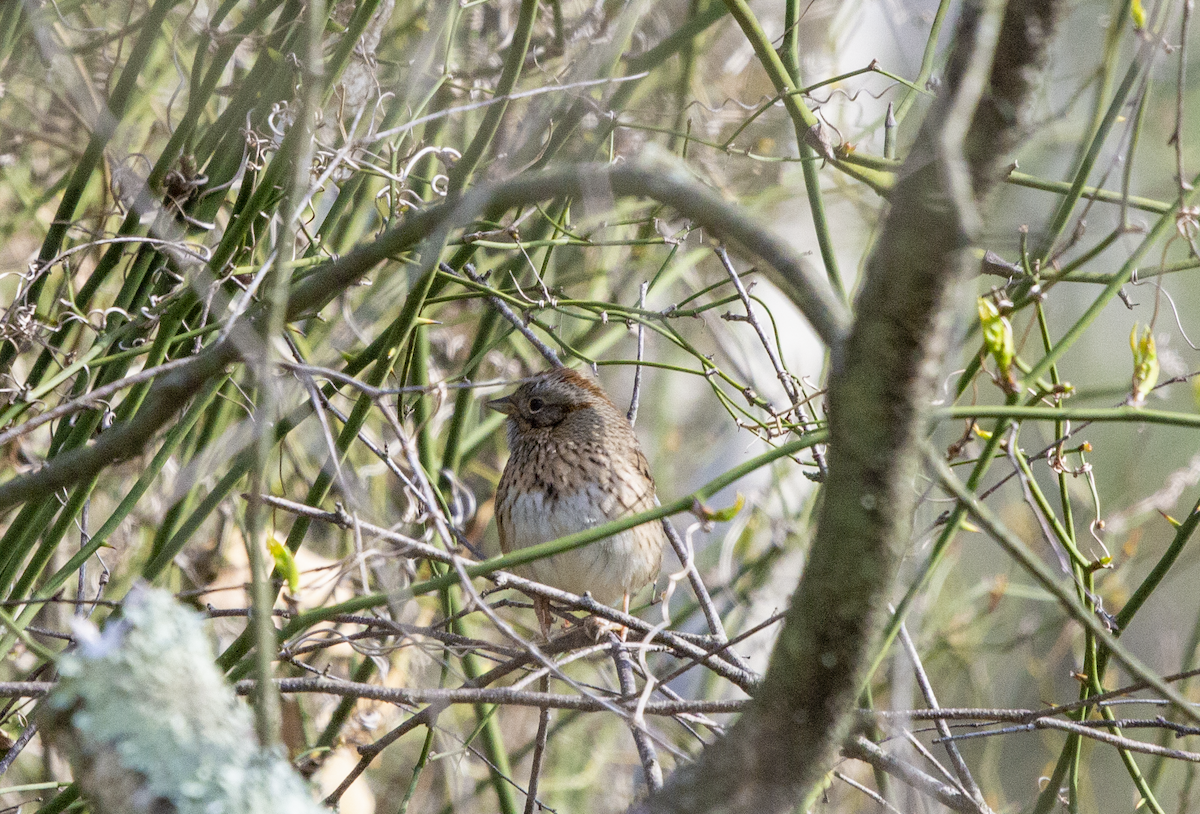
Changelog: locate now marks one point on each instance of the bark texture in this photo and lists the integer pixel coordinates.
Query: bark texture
(884, 379)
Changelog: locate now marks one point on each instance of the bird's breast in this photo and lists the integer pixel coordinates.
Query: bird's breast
(538, 515)
(607, 568)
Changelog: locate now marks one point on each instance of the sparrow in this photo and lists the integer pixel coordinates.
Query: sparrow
(575, 463)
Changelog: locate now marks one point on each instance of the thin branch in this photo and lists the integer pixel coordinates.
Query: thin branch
(862, 749)
(502, 308)
(711, 616)
(1180, 89)
(785, 378)
(641, 351)
(539, 748)
(645, 746)
(1092, 732)
(18, 745)
(89, 399)
(874, 795)
(490, 695)
(956, 758)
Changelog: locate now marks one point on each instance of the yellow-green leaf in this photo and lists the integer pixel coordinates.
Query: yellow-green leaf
(997, 334)
(1138, 12)
(285, 564)
(1145, 364)
(720, 515)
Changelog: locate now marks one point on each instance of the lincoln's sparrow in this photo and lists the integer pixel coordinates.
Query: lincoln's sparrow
(575, 463)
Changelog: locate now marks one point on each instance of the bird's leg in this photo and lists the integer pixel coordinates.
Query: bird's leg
(541, 607)
(599, 627)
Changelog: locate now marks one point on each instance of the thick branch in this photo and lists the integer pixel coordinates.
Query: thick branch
(778, 752)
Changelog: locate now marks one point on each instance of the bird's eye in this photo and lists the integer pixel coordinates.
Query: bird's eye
(536, 404)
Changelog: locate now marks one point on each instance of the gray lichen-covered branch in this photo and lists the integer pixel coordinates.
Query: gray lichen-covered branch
(149, 724)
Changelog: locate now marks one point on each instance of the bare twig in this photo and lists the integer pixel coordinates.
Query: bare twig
(1094, 733)
(924, 752)
(26, 689)
(862, 749)
(700, 590)
(539, 748)
(89, 399)
(645, 746)
(785, 378)
(1180, 89)
(854, 784)
(489, 695)
(19, 744)
(318, 402)
(956, 759)
(637, 369)
(1052, 541)
(745, 634)
(509, 314)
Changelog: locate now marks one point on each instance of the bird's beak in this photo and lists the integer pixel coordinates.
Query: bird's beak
(504, 405)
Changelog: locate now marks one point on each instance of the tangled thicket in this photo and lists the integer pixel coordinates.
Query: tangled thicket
(263, 260)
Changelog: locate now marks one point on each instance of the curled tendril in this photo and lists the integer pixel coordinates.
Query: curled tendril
(463, 502)
(1187, 221)
(279, 119)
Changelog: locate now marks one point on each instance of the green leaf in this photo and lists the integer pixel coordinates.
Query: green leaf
(720, 515)
(1145, 364)
(1138, 12)
(997, 335)
(285, 564)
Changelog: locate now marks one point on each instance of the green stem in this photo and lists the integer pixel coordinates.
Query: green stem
(1026, 413)
(460, 174)
(804, 120)
(927, 59)
(790, 57)
(105, 126)
(1067, 205)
